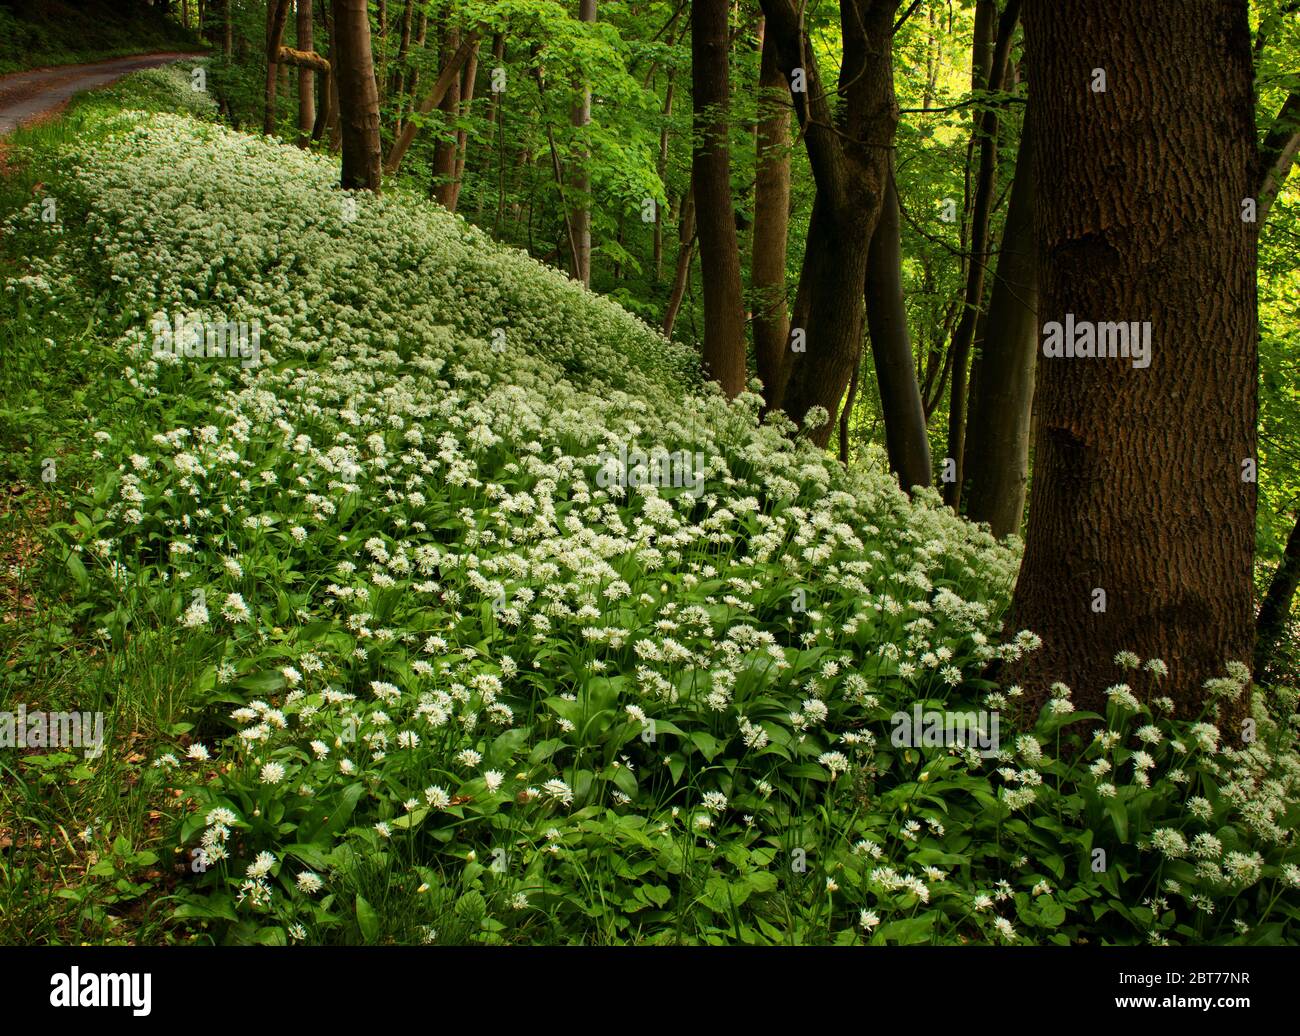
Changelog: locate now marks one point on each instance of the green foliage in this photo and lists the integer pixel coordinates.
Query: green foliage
(409, 668)
(92, 30)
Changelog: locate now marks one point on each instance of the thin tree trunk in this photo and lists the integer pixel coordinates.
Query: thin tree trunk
(397, 78)
(462, 137)
(992, 45)
(997, 449)
(228, 29)
(724, 314)
(1275, 612)
(444, 153)
(848, 148)
(1278, 153)
(495, 114)
(771, 219)
(906, 441)
(326, 113)
(580, 181)
(306, 84)
(358, 95)
(557, 168)
(1277, 156)
(685, 255)
(447, 78)
(658, 258)
(846, 415)
(277, 13)
(336, 120)
(1138, 488)
(381, 67)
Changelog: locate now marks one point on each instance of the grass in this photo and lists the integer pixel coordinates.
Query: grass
(51, 890)
(105, 850)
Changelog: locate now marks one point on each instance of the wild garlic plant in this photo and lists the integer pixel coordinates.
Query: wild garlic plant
(453, 688)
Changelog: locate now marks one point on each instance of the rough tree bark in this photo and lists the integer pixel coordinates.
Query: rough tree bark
(358, 96)
(715, 217)
(1138, 488)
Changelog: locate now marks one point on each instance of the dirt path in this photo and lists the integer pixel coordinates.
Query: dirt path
(28, 96)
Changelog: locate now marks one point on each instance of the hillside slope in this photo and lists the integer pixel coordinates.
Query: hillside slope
(449, 666)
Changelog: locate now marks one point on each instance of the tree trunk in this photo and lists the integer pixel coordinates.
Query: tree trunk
(228, 29)
(1278, 153)
(358, 95)
(444, 153)
(846, 415)
(906, 441)
(1275, 612)
(771, 219)
(462, 137)
(336, 128)
(997, 450)
(324, 105)
(306, 84)
(848, 150)
(436, 98)
(663, 178)
(724, 313)
(580, 181)
(685, 255)
(992, 44)
(277, 13)
(326, 114)
(1138, 488)
(835, 261)
(494, 107)
(381, 69)
(1277, 156)
(399, 75)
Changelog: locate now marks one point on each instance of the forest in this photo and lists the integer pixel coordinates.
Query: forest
(842, 243)
(692, 472)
